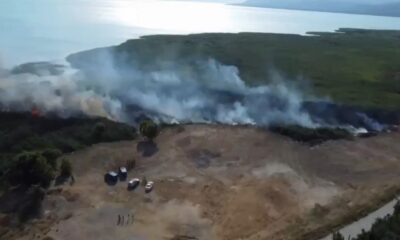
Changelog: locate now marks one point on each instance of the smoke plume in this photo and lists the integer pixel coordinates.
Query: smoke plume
(200, 91)
(208, 92)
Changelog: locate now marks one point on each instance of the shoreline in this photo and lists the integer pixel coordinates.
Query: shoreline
(317, 11)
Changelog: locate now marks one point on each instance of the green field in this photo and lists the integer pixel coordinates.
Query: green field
(357, 67)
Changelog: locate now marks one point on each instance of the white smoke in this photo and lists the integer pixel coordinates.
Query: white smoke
(58, 94)
(218, 96)
(205, 91)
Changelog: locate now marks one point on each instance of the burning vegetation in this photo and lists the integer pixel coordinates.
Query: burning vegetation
(35, 112)
(49, 110)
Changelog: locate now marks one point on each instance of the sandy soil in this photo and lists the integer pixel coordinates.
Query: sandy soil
(217, 182)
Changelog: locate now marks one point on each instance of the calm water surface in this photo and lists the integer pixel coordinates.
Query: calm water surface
(32, 30)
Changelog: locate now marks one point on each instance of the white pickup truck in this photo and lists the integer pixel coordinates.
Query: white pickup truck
(133, 183)
(149, 187)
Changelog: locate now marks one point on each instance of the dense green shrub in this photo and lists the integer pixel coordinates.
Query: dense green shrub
(51, 156)
(149, 129)
(337, 236)
(65, 168)
(98, 130)
(30, 208)
(51, 136)
(31, 168)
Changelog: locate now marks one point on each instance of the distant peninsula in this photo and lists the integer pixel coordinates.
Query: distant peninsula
(390, 9)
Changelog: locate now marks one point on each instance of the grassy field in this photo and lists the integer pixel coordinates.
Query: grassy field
(357, 67)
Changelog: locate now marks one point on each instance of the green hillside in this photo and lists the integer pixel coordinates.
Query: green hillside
(357, 67)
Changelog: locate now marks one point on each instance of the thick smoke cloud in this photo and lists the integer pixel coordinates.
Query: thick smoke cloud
(61, 95)
(194, 91)
(199, 91)
(212, 93)
(204, 92)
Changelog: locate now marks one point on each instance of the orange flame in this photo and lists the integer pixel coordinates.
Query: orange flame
(35, 112)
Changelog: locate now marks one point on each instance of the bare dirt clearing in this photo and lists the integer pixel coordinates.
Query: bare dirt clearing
(220, 182)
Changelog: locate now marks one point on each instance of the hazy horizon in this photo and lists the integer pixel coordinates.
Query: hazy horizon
(367, 7)
(78, 25)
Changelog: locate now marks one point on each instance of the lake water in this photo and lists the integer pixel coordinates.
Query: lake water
(33, 30)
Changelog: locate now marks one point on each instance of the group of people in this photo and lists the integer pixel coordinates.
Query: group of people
(124, 220)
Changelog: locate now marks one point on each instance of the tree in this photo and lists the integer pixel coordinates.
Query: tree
(66, 168)
(337, 236)
(98, 130)
(51, 156)
(31, 168)
(397, 209)
(30, 208)
(149, 129)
